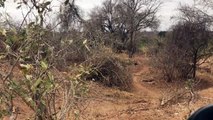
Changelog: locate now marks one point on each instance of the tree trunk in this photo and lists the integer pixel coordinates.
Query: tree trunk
(131, 47)
(194, 65)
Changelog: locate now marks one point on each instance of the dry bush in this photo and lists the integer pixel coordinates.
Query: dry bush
(72, 48)
(179, 54)
(170, 60)
(2, 47)
(108, 69)
(173, 62)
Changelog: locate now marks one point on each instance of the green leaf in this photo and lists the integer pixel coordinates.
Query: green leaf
(26, 66)
(3, 32)
(49, 86)
(2, 57)
(35, 85)
(29, 77)
(28, 99)
(50, 76)
(44, 65)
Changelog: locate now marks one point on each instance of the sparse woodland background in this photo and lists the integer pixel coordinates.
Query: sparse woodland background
(90, 49)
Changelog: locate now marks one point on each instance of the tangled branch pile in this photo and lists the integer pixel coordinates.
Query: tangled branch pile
(109, 70)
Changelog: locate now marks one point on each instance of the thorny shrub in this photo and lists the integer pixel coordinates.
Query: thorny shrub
(38, 88)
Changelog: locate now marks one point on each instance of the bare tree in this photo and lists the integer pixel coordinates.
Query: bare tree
(104, 21)
(139, 14)
(69, 15)
(194, 14)
(2, 3)
(188, 46)
(193, 39)
(126, 18)
(193, 34)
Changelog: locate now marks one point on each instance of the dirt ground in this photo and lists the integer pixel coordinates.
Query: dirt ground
(150, 99)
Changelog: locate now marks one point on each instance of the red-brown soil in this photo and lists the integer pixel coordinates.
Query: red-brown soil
(150, 99)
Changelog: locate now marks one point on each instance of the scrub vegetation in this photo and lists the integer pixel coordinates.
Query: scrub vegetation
(57, 65)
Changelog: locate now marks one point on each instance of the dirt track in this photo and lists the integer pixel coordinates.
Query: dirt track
(151, 99)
